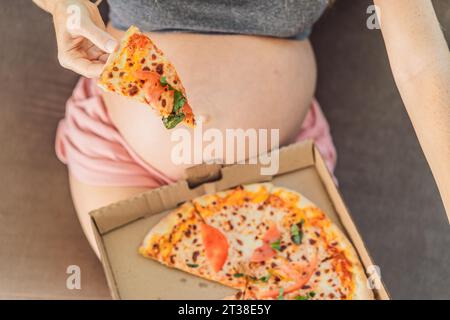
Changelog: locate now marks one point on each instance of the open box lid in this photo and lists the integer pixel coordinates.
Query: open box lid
(120, 227)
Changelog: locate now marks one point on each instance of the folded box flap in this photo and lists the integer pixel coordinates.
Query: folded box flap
(203, 179)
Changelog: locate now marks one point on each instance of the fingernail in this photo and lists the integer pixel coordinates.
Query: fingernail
(110, 45)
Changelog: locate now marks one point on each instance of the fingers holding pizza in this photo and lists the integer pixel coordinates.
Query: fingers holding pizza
(136, 68)
(83, 43)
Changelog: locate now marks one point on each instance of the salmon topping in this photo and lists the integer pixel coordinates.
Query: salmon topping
(265, 252)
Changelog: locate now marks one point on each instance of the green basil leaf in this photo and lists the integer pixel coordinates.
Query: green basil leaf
(192, 265)
(265, 278)
(276, 245)
(281, 294)
(296, 234)
(309, 295)
(178, 101)
(172, 120)
(294, 229)
(163, 81)
(238, 275)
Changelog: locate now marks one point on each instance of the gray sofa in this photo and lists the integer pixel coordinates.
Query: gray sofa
(381, 170)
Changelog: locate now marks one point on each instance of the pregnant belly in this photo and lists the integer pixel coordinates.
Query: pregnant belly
(232, 81)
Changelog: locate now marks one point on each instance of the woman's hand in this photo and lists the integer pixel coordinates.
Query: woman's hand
(420, 61)
(83, 43)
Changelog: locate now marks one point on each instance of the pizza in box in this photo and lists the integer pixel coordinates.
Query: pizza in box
(265, 241)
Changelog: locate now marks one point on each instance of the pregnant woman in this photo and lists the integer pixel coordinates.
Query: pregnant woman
(244, 64)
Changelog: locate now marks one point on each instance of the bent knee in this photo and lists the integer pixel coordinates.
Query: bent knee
(87, 198)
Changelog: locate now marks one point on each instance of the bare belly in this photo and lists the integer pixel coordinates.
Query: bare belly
(232, 81)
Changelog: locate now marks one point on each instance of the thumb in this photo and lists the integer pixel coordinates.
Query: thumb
(99, 37)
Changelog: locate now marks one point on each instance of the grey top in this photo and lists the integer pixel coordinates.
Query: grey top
(277, 18)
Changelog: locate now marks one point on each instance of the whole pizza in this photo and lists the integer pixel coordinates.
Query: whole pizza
(267, 242)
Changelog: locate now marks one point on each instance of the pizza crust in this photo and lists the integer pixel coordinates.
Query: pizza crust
(361, 291)
(165, 226)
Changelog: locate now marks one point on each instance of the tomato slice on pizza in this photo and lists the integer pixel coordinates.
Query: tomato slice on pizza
(182, 240)
(138, 69)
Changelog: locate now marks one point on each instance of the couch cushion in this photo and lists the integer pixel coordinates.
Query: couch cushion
(381, 169)
(39, 232)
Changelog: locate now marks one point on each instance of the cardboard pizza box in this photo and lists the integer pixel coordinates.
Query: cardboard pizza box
(120, 227)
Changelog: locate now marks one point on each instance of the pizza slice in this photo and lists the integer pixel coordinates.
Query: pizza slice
(138, 69)
(306, 256)
(182, 240)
